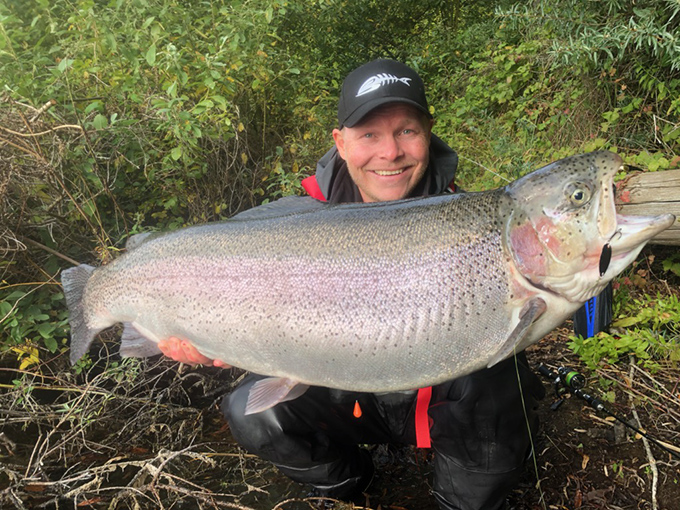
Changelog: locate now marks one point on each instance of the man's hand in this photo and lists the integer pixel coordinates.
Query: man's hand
(184, 352)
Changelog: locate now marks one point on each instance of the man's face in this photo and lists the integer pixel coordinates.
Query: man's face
(387, 153)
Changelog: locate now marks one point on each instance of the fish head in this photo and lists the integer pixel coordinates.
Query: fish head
(563, 231)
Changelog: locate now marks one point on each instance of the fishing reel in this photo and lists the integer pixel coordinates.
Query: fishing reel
(564, 380)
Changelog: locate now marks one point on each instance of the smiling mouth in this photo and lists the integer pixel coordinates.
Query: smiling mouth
(389, 172)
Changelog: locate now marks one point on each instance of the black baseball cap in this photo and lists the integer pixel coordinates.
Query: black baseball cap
(376, 83)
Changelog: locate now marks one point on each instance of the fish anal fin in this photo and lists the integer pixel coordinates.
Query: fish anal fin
(530, 312)
(271, 391)
(135, 345)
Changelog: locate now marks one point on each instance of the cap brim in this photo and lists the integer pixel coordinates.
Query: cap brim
(355, 117)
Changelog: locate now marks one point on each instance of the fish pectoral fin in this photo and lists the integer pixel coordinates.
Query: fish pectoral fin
(271, 391)
(134, 345)
(531, 311)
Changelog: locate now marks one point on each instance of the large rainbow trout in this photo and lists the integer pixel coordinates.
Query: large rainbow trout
(370, 297)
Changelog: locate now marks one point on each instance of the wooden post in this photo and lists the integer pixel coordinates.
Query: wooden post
(651, 194)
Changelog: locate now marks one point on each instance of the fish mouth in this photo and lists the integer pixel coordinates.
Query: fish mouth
(630, 236)
(633, 231)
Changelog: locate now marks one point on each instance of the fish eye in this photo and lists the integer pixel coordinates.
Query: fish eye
(578, 193)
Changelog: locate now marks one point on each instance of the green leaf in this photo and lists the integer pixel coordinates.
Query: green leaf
(5, 308)
(65, 64)
(672, 266)
(151, 55)
(176, 153)
(100, 121)
(45, 329)
(51, 344)
(95, 105)
(148, 22)
(626, 322)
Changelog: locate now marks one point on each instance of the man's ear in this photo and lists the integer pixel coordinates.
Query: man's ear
(339, 138)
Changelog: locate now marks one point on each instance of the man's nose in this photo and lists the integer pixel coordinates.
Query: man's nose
(390, 148)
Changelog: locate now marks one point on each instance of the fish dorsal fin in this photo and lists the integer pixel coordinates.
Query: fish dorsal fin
(282, 207)
(531, 311)
(135, 240)
(134, 345)
(272, 390)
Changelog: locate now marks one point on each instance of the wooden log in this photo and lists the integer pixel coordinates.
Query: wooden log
(651, 194)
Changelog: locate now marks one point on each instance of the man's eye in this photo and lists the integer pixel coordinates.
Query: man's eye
(407, 131)
(368, 135)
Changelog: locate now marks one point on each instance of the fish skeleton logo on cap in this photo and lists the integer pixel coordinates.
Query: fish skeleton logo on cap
(375, 82)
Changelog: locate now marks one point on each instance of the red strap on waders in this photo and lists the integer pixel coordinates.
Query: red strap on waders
(422, 418)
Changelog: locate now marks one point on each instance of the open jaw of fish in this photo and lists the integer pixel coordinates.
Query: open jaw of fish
(370, 297)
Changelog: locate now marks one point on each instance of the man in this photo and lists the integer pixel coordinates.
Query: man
(477, 424)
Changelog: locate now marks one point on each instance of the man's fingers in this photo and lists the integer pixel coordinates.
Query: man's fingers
(192, 355)
(185, 352)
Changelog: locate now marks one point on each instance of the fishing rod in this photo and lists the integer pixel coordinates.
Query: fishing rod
(567, 380)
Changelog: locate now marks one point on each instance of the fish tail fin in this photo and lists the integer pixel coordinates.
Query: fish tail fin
(74, 281)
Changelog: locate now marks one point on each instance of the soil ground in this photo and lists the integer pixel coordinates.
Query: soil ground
(138, 435)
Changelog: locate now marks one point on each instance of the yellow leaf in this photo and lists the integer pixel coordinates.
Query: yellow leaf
(584, 462)
(244, 158)
(27, 354)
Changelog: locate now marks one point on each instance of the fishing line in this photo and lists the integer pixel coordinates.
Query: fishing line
(485, 168)
(534, 453)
